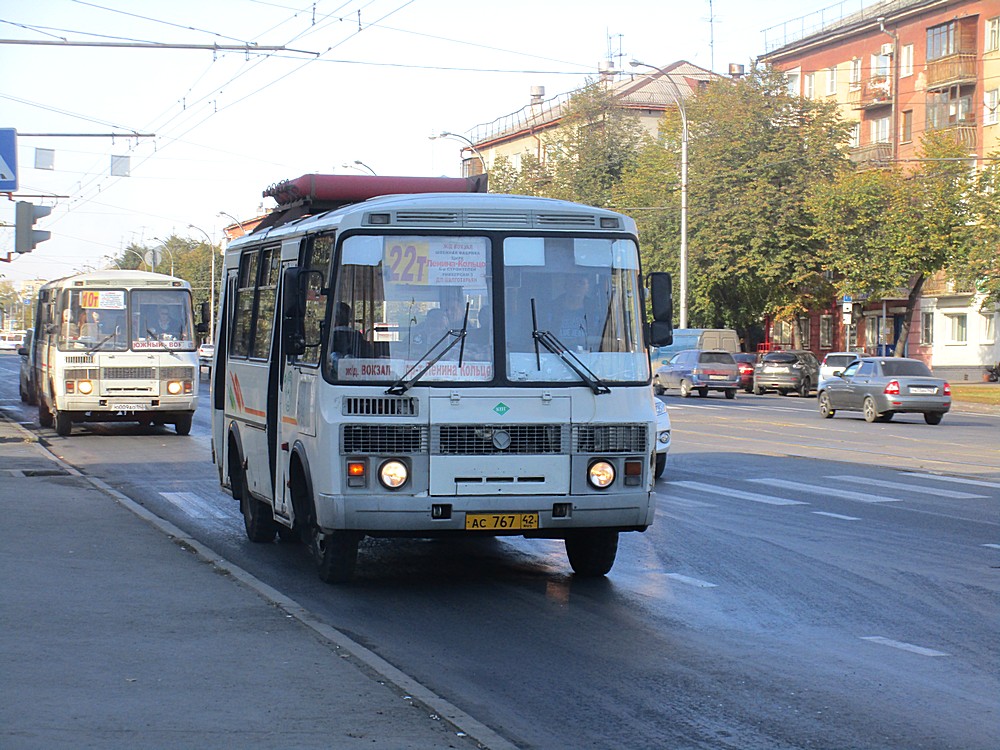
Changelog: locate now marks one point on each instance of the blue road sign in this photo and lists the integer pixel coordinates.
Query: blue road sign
(8, 160)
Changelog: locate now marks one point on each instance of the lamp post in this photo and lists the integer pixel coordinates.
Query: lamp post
(358, 163)
(679, 101)
(211, 287)
(471, 146)
(235, 220)
(171, 252)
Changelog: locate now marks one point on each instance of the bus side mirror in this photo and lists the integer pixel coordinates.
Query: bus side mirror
(206, 314)
(293, 329)
(661, 331)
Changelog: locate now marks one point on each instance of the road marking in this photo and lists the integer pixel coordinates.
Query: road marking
(691, 581)
(992, 546)
(835, 515)
(194, 506)
(903, 646)
(727, 492)
(956, 480)
(830, 493)
(906, 487)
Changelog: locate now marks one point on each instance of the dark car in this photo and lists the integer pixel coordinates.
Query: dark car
(785, 372)
(880, 387)
(698, 370)
(745, 363)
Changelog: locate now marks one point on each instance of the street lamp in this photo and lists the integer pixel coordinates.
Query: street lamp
(164, 244)
(679, 101)
(359, 163)
(471, 146)
(235, 220)
(211, 303)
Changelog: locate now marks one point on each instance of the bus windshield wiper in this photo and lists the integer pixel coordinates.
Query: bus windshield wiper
(554, 345)
(101, 343)
(402, 385)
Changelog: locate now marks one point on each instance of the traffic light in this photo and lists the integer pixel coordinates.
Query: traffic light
(25, 234)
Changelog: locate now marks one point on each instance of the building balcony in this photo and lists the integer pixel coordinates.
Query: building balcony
(872, 155)
(963, 131)
(951, 70)
(875, 92)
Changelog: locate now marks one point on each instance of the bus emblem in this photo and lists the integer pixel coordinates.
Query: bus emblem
(501, 408)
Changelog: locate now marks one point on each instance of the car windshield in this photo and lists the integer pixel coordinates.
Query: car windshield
(780, 357)
(716, 358)
(900, 367)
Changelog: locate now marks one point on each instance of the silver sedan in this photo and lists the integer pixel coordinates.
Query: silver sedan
(880, 387)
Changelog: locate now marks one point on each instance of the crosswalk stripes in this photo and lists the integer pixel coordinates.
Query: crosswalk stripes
(728, 492)
(906, 487)
(827, 491)
(955, 480)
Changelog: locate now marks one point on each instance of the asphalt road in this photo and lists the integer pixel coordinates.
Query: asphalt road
(807, 584)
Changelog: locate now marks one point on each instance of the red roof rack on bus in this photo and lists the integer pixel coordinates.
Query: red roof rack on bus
(315, 193)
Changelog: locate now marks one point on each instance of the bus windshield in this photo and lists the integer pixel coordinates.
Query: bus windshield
(116, 320)
(400, 301)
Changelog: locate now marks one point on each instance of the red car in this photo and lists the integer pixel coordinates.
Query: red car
(745, 362)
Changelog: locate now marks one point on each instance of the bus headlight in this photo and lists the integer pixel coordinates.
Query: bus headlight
(174, 387)
(601, 474)
(393, 474)
(84, 387)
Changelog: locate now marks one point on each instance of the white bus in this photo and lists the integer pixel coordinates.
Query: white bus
(115, 346)
(436, 364)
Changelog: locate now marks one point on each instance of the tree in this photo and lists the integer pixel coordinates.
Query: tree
(980, 268)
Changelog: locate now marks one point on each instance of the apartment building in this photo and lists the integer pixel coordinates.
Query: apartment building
(898, 69)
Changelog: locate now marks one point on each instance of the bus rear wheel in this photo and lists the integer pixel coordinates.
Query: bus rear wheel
(592, 552)
(336, 554)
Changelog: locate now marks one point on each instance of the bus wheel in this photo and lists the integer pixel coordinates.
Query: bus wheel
(183, 424)
(44, 415)
(592, 552)
(64, 425)
(336, 554)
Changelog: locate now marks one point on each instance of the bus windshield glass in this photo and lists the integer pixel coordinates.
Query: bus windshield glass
(401, 300)
(93, 318)
(161, 319)
(584, 292)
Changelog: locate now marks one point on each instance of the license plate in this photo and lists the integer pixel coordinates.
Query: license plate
(500, 521)
(126, 407)
(774, 369)
(922, 389)
(717, 377)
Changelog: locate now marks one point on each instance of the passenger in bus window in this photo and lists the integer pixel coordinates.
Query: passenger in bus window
(346, 340)
(90, 324)
(164, 324)
(434, 326)
(571, 321)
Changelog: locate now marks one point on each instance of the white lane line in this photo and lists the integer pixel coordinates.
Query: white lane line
(193, 505)
(728, 492)
(691, 581)
(992, 546)
(835, 515)
(830, 493)
(682, 502)
(906, 487)
(956, 480)
(903, 646)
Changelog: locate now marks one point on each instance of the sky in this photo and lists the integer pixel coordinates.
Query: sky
(366, 80)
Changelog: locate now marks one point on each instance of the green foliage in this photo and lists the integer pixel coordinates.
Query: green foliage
(980, 268)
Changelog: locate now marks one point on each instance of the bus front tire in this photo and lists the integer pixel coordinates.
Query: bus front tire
(183, 424)
(592, 552)
(336, 554)
(64, 424)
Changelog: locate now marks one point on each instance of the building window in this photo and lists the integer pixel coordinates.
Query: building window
(809, 86)
(946, 108)
(784, 331)
(942, 41)
(927, 328)
(880, 130)
(989, 328)
(855, 73)
(906, 127)
(990, 116)
(880, 66)
(993, 34)
(804, 338)
(958, 328)
(793, 77)
(906, 61)
(871, 332)
(854, 137)
(831, 81)
(826, 332)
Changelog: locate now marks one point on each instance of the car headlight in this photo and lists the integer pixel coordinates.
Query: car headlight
(84, 387)
(601, 474)
(392, 474)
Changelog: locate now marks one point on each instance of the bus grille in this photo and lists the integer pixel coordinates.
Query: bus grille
(80, 373)
(377, 438)
(609, 438)
(481, 440)
(176, 373)
(80, 360)
(380, 407)
(128, 373)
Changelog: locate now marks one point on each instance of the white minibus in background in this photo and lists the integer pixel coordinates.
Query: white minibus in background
(406, 357)
(115, 346)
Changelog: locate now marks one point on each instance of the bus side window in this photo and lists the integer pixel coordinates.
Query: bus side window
(320, 252)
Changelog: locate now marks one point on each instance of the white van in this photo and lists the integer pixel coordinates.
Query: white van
(697, 338)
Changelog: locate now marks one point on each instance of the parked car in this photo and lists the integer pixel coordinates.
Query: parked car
(834, 361)
(881, 387)
(698, 370)
(745, 363)
(786, 371)
(662, 437)
(205, 353)
(27, 375)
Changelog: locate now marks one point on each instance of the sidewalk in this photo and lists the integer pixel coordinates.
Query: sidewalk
(115, 635)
